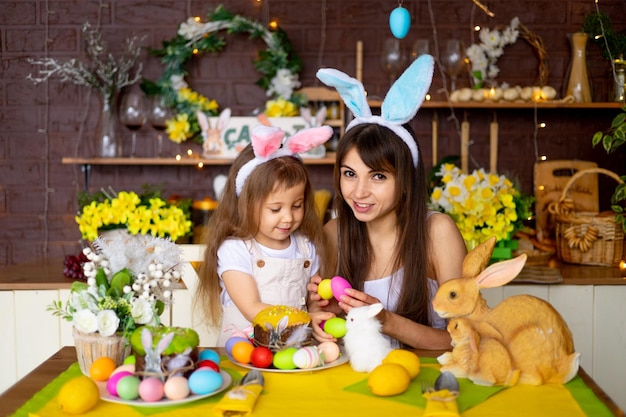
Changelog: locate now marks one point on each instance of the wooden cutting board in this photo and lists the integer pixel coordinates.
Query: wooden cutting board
(550, 178)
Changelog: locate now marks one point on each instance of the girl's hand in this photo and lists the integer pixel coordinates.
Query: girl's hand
(355, 298)
(317, 317)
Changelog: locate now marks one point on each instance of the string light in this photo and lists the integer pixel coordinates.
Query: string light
(273, 24)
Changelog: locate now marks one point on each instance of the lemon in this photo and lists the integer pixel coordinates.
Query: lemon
(388, 379)
(78, 395)
(406, 358)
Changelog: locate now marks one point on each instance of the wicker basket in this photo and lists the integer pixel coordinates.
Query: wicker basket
(587, 238)
(90, 347)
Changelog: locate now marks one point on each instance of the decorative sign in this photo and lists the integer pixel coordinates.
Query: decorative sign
(236, 135)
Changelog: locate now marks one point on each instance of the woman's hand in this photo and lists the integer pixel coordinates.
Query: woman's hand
(355, 298)
(316, 302)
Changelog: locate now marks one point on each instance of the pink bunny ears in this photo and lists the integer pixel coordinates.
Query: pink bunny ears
(267, 143)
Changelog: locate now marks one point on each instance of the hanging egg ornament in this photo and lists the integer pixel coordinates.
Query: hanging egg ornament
(399, 22)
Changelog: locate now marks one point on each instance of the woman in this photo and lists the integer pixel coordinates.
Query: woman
(388, 245)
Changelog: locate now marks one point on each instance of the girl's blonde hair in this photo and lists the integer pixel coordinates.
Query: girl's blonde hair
(239, 218)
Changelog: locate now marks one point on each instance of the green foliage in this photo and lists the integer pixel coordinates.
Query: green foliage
(601, 31)
(611, 139)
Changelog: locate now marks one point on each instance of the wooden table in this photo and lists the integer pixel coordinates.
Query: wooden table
(23, 390)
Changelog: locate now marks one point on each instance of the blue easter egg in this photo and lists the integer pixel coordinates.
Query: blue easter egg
(203, 381)
(231, 342)
(399, 22)
(208, 354)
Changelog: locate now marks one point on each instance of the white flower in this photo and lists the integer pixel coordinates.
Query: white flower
(141, 311)
(190, 28)
(178, 82)
(84, 300)
(283, 84)
(108, 322)
(85, 321)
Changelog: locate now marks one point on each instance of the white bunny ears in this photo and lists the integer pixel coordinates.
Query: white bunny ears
(267, 143)
(400, 105)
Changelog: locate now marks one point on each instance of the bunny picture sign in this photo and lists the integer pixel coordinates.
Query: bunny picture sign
(225, 136)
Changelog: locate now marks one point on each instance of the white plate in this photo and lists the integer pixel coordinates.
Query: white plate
(339, 361)
(106, 396)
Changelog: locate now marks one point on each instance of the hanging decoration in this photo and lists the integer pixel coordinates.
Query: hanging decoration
(399, 21)
(278, 64)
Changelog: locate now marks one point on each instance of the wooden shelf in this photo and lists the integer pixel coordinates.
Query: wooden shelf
(519, 105)
(329, 159)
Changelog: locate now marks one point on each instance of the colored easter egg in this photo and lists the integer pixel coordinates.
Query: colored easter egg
(339, 286)
(335, 327)
(231, 341)
(128, 388)
(203, 381)
(130, 367)
(399, 22)
(324, 289)
(151, 389)
(283, 359)
(307, 357)
(261, 357)
(206, 363)
(209, 354)
(114, 379)
(329, 350)
(176, 388)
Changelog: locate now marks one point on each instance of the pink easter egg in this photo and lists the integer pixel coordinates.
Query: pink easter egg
(114, 379)
(151, 389)
(338, 285)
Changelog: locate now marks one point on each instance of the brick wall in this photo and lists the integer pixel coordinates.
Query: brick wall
(39, 124)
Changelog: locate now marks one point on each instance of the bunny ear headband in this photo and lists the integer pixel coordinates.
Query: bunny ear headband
(267, 143)
(400, 104)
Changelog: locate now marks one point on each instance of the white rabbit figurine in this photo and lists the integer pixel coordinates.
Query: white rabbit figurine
(212, 136)
(365, 345)
(316, 121)
(153, 356)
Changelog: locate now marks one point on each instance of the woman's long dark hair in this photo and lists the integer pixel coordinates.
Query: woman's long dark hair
(381, 149)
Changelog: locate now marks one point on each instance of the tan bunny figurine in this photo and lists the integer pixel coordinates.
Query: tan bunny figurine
(212, 136)
(533, 332)
(482, 359)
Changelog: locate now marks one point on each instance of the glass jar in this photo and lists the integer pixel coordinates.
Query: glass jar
(201, 211)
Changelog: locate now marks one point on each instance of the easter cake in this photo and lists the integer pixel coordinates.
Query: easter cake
(185, 342)
(277, 326)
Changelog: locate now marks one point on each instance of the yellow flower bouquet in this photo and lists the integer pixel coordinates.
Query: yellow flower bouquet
(482, 204)
(143, 214)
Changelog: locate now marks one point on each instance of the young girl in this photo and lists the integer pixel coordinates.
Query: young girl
(387, 244)
(265, 235)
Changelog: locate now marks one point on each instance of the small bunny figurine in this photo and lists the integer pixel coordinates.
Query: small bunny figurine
(179, 362)
(534, 333)
(212, 136)
(316, 121)
(153, 356)
(365, 345)
(482, 359)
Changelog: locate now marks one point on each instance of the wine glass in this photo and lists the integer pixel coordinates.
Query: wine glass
(133, 116)
(393, 58)
(420, 47)
(160, 112)
(454, 60)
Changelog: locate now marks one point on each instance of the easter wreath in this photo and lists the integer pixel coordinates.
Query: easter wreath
(278, 65)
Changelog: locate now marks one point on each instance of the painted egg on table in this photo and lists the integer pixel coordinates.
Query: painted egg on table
(113, 381)
(339, 285)
(151, 389)
(283, 359)
(128, 388)
(129, 367)
(399, 22)
(231, 342)
(209, 364)
(329, 350)
(209, 354)
(307, 357)
(203, 381)
(176, 388)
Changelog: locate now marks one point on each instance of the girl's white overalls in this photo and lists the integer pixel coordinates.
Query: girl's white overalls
(280, 282)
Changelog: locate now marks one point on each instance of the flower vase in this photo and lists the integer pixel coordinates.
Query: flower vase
(92, 346)
(578, 85)
(108, 140)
